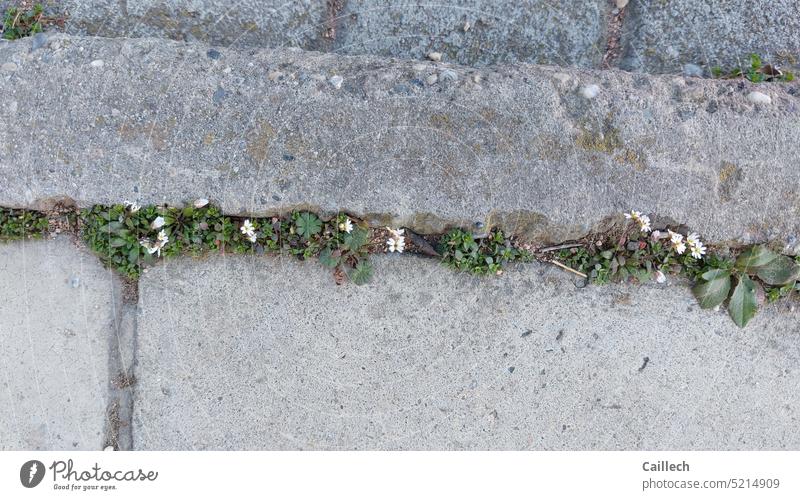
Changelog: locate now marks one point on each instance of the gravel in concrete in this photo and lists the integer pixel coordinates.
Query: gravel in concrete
(254, 353)
(57, 307)
(266, 131)
(670, 36)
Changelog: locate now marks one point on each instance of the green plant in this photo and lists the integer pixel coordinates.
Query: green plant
(19, 23)
(348, 250)
(756, 72)
(461, 250)
(753, 267)
(20, 224)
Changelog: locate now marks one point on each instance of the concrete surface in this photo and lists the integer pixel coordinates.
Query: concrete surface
(568, 32)
(264, 131)
(57, 318)
(239, 353)
(664, 36)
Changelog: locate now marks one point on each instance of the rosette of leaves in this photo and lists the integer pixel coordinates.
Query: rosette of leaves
(741, 283)
(19, 23)
(19, 224)
(114, 232)
(347, 252)
(462, 251)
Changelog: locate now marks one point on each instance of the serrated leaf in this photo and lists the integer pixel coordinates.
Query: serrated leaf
(362, 273)
(713, 293)
(779, 271)
(714, 274)
(328, 259)
(755, 257)
(308, 224)
(743, 304)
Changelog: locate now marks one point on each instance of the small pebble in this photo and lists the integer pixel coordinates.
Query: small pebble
(590, 91)
(200, 203)
(621, 3)
(336, 81)
(660, 277)
(448, 75)
(74, 282)
(213, 54)
(476, 78)
(431, 79)
(561, 77)
(9, 66)
(435, 56)
(97, 63)
(467, 26)
(759, 98)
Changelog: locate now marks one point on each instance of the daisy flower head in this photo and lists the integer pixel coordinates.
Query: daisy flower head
(633, 215)
(132, 206)
(698, 250)
(674, 237)
(346, 226)
(397, 242)
(247, 227)
(679, 247)
(644, 224)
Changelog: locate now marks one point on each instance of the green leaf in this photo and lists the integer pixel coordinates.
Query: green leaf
(362, 273)
(779, 271)
(118, 242)
(308, 224)
(742, 306)
(356, 239)
(714, 292)
(328, 259)
(753, 258)
(714, 274)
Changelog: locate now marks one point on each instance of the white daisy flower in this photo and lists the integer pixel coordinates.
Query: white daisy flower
(162, 237)
(252, 237)
(346, 226)
(148, 246)
(397, 233)
(644, 224)
(692, 239)
(660, 277)
(698, 250)
(633, 215)
(158, 223)
(247, 227)
(132, 206)
(679, 247)
(675, 238)
(396, 244)
(656, 235)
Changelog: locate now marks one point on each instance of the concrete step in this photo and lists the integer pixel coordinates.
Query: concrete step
(649, 36)
(261, 353)
(546, 153)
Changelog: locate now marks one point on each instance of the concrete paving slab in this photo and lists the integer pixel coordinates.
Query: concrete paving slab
(255, 353)
(473, 32)
(423, 145)
(660, 36)
(57, 307)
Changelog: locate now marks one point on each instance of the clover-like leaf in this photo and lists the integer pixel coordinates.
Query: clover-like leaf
(356, 239)
(362, 273)
(779, 271)
(752, 259)
(743, 304)
(329, 258)
(308, 224)
(713, 292)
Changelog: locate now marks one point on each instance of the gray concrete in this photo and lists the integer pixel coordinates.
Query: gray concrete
(543, 31)
(57, 318)
(241, 353)
(264, 131)
(664, 36)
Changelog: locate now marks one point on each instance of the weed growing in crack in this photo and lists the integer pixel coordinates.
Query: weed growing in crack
(18, 23)
(757, 72)
(21, 224)
(128, 238)
(462, 251)
(641, 255)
